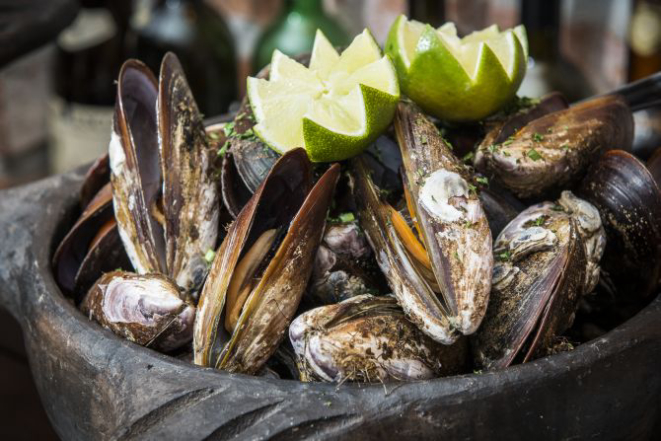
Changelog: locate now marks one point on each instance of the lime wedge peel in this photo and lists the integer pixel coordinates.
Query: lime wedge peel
(458, 79)
(334, 108)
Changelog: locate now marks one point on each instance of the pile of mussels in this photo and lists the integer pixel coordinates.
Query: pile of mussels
(405, 263)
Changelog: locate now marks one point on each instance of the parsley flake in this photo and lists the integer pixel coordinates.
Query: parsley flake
(534, 155)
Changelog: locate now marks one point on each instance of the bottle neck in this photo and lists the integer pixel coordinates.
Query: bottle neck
(542, 22)
(306, 7)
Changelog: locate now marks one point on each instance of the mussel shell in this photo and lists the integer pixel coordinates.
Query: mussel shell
(252, 158)
(457, 238)
(97, 176)
(284, 200)
(413, 292)
(499, 210)
(190, 194)
(75, 246)
(550, 103)
(234, 192)
(538, 279)
(553, 152)
(145, 309)
(629, 201)
(106, 255)
(654, 166)
(136, 169)
(344, 266)
(369, 339)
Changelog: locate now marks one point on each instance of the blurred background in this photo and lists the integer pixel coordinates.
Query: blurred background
(58, 65)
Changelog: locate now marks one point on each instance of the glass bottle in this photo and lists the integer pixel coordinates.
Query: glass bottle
(547, 69)
(199, 37)
(88, 58)
(427, 11)
(293, 33)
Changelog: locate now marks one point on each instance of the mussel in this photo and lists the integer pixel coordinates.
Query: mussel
(164, 195)
(546, 259)
(145, 309)
(90, 247)
(369, 339)
(441, 279)
(553, 151)
(629, 200)
(262, 267)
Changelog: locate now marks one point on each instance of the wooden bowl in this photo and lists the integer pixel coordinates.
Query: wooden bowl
(95, 385)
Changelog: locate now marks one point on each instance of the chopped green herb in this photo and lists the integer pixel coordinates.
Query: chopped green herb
(456, 256)
(423, 139)
(347, 217)
(557, 208)
(472, 188)
(214, 135)
(469, 224)
(229, 129)
(209, 256)
(537, 137)
(247, 134)
(482, 180)
(565, 147)
(224, 148)
(492, 148)
(537, 222)
(509, 141)
(534, 155)
(505, 256)
(506, 153)
(468, 157)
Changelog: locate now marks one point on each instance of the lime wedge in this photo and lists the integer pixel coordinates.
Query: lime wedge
(334, 108)
(458, 79)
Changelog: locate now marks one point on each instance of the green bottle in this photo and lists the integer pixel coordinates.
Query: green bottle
(293, 33)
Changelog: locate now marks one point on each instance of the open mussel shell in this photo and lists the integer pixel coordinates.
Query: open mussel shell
(453, 225)
(628, 198)
(538, 278)
(235, 194)
(97, 176)
(136, 169)
(105, 254)
(190, 199)
(369, 339)
(402, 270)
(285, 219)
(76, 244)
(145, 309)
(165, 198)
(554, 151)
